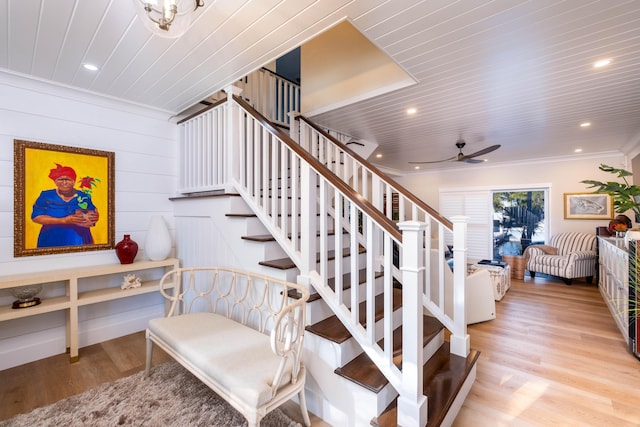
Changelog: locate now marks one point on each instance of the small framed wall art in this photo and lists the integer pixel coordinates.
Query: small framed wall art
(64, 199)
(588, 206)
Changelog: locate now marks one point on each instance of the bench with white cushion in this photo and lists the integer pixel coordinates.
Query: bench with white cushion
(239, 333)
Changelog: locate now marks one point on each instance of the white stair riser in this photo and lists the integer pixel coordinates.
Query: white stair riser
(290, 274)
(318, 310)
(342, 393)
(328, 355)
(237, 205)
(267, 250)
(339, 354)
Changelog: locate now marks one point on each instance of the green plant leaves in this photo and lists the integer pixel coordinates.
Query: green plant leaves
(623, 194)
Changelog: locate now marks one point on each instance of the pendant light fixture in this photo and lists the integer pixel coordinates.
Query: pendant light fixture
(167, 18)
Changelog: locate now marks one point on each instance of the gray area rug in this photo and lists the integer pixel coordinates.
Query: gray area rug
(170, 397)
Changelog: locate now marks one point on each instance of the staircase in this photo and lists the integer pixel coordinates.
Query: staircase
(363, 349)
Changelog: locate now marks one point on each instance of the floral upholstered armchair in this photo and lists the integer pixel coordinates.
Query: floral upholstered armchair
(568, 256)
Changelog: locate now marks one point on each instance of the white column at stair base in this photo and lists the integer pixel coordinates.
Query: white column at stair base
(460, 341)
(412, 405)
(410, 414)
(460, 345)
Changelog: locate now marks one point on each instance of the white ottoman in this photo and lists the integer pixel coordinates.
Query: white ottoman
(500, 278)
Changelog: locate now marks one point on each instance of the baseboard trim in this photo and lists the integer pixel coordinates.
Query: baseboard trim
(28, 348)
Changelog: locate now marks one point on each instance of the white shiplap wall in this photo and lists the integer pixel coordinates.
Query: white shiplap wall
(145, 145)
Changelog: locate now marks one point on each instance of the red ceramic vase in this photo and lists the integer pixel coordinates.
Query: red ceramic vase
(126, 250)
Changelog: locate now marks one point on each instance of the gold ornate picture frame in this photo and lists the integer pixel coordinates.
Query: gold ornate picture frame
(588, 206)
(64, 199)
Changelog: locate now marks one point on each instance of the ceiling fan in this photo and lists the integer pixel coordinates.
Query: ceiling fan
(461, 157)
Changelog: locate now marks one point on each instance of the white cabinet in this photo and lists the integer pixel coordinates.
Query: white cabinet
(614, 280)
(78, 295)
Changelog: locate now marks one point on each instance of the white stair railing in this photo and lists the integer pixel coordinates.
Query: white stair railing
(298, 199)
(272, 94)
(288, 189)
(201, 159)
(400, 205)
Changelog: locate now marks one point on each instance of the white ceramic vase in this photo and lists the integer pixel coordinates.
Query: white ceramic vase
(157, 245)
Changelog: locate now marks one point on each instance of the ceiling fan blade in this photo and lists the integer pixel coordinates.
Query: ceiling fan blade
(435, 161)
(479, 153)
(460, 157)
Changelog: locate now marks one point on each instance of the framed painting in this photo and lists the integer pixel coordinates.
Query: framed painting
(588, 206)
(64, 199)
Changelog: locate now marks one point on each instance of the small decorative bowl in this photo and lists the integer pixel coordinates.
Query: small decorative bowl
(26, 296)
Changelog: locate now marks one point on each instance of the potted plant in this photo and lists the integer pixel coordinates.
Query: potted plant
(625, 196)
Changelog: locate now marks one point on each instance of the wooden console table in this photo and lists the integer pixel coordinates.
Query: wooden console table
(75, 297)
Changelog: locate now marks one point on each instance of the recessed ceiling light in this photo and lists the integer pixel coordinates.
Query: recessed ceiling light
(416, 167)
(585, 124)
(378, 155)
(601, 63)
(578, 150)
(90, 67)
(411, 111)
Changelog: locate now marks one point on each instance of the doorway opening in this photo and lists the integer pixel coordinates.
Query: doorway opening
(518, 220)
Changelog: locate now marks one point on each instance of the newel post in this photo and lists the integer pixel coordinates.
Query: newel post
(294, 126)
(232, 137)
(460, 341)
(412, 404)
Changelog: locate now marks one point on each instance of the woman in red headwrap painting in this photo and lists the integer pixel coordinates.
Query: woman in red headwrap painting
(66, 214)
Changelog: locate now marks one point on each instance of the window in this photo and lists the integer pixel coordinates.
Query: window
(518, 221)
(476, 205)
(503, 221)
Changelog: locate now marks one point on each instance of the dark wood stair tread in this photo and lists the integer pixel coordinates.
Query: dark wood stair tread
(346, 280)
(286, 263)
(197, 194)
(362, 371)
(444, 374)
(241, 215)
(270, 238)
(332, 328)
(260, 238)
(280, 264)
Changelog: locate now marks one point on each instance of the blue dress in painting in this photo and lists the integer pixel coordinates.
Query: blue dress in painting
(51, 235)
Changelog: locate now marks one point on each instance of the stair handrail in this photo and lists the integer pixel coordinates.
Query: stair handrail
(388, 225)
(391, 183)
(271, 154)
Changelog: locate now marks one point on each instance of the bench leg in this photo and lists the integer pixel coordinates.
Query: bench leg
(303, 408)
(147, 367)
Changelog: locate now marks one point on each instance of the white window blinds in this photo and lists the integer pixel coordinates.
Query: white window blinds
(477, 206)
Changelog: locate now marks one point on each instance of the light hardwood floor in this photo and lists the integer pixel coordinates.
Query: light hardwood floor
(553, 357)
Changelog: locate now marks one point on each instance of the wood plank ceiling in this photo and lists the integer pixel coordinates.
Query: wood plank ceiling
(511, 72)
